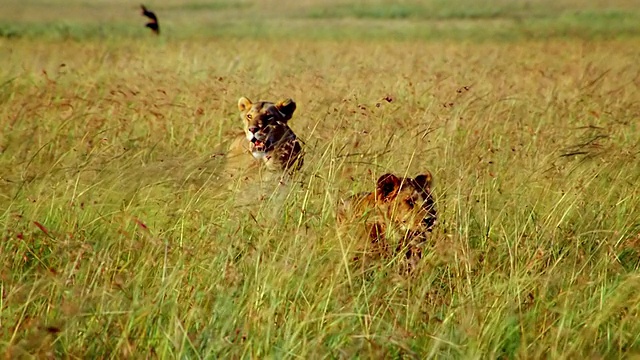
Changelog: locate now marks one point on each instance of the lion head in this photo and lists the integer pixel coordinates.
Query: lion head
(406, 203)
(265, 124)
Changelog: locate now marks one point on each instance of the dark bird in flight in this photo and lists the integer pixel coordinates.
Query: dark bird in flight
(153, 20)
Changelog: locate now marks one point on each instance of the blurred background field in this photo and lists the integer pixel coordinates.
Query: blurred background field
(410, 19)
(119, 240)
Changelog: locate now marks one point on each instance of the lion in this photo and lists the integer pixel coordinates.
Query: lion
(267, 140)
(397, 216)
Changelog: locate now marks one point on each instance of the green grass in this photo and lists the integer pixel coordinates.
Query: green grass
(204, 6)
(422, 10)
(119, 240)
(500, 20)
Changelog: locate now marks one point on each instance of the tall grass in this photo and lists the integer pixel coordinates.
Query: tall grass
(119, 240)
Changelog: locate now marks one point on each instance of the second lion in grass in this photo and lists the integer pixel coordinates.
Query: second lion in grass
(396, 217)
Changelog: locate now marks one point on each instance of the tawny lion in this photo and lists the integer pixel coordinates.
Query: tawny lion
(396, 216)
(267, 141)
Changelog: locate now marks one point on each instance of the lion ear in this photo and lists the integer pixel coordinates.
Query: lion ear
(388, 185)
(286, 108)
(424, 181)
(244, 104)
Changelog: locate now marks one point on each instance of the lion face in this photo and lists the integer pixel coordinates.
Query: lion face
(406, 203)
(396, 217)
(265, 124)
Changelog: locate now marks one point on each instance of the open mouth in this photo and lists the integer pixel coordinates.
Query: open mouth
(258, 145)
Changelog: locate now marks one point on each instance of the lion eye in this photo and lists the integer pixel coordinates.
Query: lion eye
(410, 202)
(249, 117)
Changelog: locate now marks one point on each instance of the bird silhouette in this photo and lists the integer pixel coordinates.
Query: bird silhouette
(153, 20)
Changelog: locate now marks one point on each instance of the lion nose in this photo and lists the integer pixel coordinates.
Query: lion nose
(428, 223)
(253, 129)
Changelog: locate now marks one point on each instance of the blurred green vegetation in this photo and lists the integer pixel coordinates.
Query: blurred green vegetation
(430, 20)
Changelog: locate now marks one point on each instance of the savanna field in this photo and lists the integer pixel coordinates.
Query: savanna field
(119, 239)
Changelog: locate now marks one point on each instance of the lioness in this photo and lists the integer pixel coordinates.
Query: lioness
(400, 212)
(267, 139)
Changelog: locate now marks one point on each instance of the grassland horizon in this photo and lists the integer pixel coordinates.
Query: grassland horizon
(460, 20)
(120, 240)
